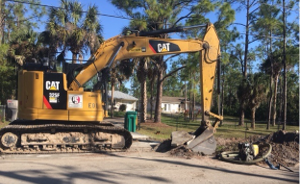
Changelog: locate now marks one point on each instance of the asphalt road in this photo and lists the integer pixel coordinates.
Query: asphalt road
(135, 166)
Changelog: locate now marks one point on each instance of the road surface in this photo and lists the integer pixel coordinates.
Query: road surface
(134, 166)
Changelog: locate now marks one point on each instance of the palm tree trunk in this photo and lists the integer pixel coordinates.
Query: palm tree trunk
(185, 98)
(191, 104)
(275, 101)
(222, 98)
(157, 115)
(151, 98)
(242, 116)
(194, 100)
(143, 69)
(143, 101)
(281, 99)
(74, 58)
(270, 103)
(253, 118)
(271, 83)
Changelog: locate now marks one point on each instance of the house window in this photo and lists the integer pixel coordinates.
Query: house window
(165, 107)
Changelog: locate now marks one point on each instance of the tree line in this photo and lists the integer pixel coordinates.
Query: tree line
(259, 70)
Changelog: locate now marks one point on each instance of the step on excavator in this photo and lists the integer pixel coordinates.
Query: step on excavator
(57, 115)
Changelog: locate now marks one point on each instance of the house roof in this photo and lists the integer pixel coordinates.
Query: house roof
(120, 95)
(172, 99)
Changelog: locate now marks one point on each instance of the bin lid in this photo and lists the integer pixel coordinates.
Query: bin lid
(131, 113)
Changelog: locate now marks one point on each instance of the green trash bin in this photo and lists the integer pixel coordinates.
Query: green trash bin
(130, 121)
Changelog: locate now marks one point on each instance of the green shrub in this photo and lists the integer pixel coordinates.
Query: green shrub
(122, 108)
(119, 114)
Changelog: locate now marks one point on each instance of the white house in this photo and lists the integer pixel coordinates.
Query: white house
(123, 98)
(173, 105)
(170, 104)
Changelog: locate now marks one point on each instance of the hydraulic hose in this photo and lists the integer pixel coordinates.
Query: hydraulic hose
(229, 156)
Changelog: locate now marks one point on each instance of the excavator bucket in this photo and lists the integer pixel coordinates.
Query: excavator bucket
(204, 143)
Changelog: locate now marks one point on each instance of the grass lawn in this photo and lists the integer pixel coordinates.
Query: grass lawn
(3, 124)
(229, 128)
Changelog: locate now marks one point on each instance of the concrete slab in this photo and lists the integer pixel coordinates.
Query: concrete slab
(143, 145)
(139, 144)
(180, 137)
(138, 136)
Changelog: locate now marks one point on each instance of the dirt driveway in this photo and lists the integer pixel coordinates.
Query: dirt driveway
(135, 166)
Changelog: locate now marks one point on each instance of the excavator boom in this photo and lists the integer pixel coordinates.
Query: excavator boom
(125, 47)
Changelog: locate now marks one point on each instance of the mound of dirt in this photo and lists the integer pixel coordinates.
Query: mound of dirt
(182, 151)
(285, 147)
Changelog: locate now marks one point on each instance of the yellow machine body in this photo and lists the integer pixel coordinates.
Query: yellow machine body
(48, 99)
(255, 149)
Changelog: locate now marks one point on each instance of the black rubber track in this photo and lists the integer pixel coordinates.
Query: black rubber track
(24, 126)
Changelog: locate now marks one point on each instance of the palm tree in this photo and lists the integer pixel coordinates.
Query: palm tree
(25, 48)
(70, 30)
(152, 76)
(257, 94)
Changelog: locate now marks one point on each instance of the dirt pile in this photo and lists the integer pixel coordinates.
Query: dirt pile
(180, 151)
(285, 147)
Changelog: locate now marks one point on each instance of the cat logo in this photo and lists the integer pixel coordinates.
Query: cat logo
(163, 47)
(52, 85)
(157, 46)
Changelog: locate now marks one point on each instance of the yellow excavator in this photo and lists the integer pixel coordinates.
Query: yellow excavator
(56, 113)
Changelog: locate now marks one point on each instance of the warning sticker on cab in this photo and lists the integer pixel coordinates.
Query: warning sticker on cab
(75, 101)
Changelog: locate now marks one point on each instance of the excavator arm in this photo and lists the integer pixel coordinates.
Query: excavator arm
(142, 45)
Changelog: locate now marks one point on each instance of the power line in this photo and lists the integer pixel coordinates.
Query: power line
(55, 7)
(100, 14)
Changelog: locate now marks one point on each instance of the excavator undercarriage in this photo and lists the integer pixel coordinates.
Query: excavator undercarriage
(60, 137)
